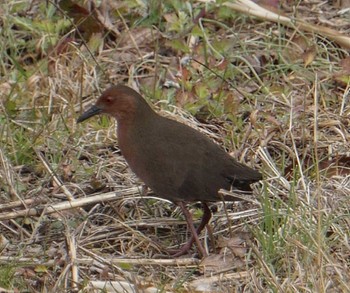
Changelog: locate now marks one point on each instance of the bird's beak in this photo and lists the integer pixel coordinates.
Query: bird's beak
(94, 110)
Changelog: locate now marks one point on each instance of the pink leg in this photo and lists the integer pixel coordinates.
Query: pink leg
(194, 233)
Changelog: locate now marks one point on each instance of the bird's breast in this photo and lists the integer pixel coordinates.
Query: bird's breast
(130, 144)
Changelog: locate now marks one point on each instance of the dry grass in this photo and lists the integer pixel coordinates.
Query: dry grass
(71, 213)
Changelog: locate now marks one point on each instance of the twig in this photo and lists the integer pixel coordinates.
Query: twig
(69, 204)
(54, 176)
(25, 202)
(210, 281)
(71, 246)
(8, 175)
(179, 262)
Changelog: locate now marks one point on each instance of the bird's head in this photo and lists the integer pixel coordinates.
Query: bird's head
(119, 101)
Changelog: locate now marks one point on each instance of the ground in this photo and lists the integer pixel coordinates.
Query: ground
(274, 94)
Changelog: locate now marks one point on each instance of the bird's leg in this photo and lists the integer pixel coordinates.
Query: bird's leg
(205, 220)
(194, 233)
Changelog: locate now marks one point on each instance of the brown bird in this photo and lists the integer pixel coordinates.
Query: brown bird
(176, 161)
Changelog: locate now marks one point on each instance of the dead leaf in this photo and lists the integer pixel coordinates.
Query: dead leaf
(138, 37)
(269, 4)
(301, 42)
(170, 17)
(104, 274)
(300, 48)
(342, 77)
(345, 64)
(61, 48)
(344, 4)
(27, 273)
(218, 262)
(3, 242)
(254, 117)
(68, 171)
(328, 167)
(86, 22)
(236, 245)
(309, 56)
(338, 166)
(183, 98)
(231, 103)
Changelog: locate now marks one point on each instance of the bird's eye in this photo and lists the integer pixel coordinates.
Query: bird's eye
(109, 99)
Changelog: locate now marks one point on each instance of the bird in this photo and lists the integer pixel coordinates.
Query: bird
(176, 161)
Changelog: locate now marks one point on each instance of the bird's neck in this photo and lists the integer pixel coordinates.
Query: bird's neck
(135, 127)
(132, 135)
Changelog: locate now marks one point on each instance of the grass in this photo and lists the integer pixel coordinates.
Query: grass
(281, 108)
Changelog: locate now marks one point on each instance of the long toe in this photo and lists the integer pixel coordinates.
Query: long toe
(183, 250)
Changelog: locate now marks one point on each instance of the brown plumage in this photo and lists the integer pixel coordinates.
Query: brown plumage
(176, 161)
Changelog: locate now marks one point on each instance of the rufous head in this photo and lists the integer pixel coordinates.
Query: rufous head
(119, 101)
